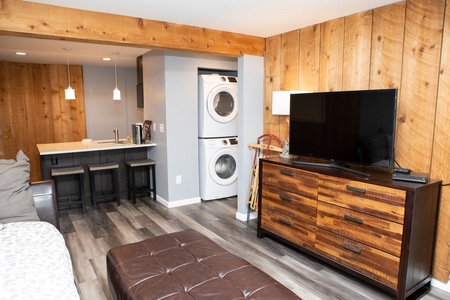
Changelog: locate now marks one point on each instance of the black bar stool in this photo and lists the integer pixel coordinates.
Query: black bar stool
(69, 200)
(104, 194)
(143, 164)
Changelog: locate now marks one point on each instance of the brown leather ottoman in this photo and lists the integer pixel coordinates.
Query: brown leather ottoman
(186, 265)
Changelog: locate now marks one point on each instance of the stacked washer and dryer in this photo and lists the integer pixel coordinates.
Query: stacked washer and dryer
(217, 136)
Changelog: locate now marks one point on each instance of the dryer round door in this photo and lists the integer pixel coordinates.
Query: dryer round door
(222, 104)
(223, 167)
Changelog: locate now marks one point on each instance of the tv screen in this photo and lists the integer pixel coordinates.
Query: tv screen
(347, 127)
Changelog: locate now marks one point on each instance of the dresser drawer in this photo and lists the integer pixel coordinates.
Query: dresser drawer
(292, 229)
(371, 262)
(384, 202)
(290, 179)
(373, 231)
(290, 204)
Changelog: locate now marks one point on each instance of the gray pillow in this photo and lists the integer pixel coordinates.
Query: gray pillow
(16, 198)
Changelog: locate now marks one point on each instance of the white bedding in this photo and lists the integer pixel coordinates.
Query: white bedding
(35, 263)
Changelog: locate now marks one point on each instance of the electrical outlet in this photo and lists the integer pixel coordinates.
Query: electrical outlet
(154, 126)
(178, 179)
(54, 161)
(161, 128)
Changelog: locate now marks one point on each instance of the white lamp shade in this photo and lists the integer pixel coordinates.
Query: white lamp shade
(70, 93)
(116, 94)
(281, 102)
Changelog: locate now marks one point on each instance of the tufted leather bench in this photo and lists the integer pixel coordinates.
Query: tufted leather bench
(186, 265)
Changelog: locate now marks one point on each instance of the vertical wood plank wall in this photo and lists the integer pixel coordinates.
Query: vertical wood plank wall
(33, 109)
(406, 46)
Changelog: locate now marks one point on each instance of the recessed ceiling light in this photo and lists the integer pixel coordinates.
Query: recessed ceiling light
(21, 53)
(106, 58)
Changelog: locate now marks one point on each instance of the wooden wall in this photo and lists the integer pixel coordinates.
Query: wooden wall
(406, 46)
(33, 109)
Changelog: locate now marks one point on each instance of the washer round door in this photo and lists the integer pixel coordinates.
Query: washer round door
(222, 104)
(223, 167)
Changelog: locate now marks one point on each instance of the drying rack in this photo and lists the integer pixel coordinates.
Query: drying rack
(262, 148)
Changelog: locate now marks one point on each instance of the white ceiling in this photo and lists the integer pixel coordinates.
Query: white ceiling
(262, 18)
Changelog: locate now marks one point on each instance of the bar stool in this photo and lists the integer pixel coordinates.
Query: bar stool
(69, 200)
(134, 165)
(102, 194)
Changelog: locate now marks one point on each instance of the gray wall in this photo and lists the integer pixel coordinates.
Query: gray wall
(251, 124)
(171, 99)
(102, 113)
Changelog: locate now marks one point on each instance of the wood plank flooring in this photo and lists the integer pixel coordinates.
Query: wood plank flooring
(90, 236)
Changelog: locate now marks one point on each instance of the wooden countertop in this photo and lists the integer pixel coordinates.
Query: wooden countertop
(73, 147)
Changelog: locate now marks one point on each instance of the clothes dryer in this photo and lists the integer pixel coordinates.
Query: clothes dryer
(218, 106)
(218, 168)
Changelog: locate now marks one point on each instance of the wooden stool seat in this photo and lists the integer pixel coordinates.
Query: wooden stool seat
(69, 200)
(103, 194)
(132, 166)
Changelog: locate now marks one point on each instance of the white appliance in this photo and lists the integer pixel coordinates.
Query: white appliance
(218, 167)
(218, 106)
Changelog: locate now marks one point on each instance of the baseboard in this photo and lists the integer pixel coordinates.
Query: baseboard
(243, 217)
(440, 285)
(177, 203)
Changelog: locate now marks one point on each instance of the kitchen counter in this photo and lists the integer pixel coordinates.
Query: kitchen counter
(100, 145)
(60, 155)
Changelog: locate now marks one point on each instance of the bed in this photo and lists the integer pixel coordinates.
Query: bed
(34, 260)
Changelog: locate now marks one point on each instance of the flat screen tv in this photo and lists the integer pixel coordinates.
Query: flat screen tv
(345, 127)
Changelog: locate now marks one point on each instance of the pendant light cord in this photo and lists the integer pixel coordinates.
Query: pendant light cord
(115, 67)
(68, 69)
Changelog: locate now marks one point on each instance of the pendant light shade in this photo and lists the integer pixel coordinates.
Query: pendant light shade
(70, 92)
(116, 92)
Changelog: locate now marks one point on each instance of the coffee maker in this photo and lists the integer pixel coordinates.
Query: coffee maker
(136, 131)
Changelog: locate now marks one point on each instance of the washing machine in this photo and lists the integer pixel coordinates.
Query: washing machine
(218, 167)
(218, 106)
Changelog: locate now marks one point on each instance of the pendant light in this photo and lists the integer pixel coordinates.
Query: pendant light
(70, 92)
(116, 92)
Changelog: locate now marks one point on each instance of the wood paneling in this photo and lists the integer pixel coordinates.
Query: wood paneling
(417, 103)
(387, 46)
(289, 60)
(331, 55)
(33, 109)
(404, 45)
(54, 22)
(272, 70)
(309, 58)
(357, 41)
(441, 156)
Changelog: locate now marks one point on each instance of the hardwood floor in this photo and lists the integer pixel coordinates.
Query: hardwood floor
(90, 236)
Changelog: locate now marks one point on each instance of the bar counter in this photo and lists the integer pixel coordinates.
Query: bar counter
(72, 147)
(59, 155)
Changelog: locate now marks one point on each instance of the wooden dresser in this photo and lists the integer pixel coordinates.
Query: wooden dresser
(375, 228)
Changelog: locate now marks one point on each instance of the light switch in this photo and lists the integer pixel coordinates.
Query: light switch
(161, 128)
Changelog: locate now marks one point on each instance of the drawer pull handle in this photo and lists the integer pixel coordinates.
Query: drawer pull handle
(353, 249)
(281, 220)
(287, 173)
(285, 197)
(355, 189)
(353, 219)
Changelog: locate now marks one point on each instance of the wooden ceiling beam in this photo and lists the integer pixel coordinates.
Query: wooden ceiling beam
(28, 19)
